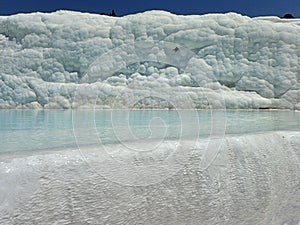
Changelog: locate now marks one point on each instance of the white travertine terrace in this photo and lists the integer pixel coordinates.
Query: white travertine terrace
(247, 62)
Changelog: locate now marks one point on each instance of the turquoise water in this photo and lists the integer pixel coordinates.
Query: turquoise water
(28, 130)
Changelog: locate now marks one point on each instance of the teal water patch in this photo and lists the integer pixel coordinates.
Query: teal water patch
(29, 130)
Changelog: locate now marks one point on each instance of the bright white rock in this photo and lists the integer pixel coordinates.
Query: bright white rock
(254, 180)
(50, 61)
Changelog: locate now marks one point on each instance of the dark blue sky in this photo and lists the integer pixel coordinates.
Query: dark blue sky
(123, 7)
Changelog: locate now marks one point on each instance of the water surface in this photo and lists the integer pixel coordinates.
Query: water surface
(29, 130)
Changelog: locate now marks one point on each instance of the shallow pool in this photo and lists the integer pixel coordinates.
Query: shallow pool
(28, 130)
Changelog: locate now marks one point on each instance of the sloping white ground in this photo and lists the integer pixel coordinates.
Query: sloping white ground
(255, 179)
(233, 60)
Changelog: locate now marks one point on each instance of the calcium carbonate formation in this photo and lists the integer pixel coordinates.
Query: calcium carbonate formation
(71, 60)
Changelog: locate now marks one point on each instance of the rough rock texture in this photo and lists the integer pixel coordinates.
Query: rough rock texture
(66, 59)
(254, 179)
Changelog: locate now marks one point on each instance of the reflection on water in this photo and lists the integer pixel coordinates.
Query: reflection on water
(25, 130)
